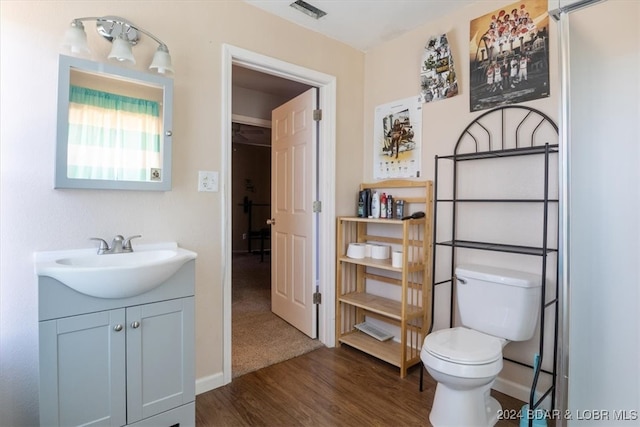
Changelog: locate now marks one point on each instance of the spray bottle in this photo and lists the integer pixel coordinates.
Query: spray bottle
(375, 205)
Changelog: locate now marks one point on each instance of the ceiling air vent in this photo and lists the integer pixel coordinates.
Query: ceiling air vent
(308, 9)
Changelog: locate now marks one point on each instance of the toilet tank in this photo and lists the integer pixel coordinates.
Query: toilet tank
(497, 301)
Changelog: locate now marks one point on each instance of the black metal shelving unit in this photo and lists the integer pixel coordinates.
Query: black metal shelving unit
(521, 131)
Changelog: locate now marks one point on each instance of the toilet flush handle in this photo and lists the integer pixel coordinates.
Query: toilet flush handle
(461, 280)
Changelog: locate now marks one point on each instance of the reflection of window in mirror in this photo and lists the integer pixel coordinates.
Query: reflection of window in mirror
(115, 129)
(95, 145)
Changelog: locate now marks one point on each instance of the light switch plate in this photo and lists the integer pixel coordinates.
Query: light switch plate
(207, 181)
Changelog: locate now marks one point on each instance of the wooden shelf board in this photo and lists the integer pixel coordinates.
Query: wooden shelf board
(384, 264)
(376, 304)
(381, 220)
(371, 262)
(390, 351)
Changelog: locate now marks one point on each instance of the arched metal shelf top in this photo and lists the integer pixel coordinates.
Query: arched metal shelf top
(521, 130)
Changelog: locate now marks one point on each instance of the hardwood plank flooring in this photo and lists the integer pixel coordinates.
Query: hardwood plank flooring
(326, 387)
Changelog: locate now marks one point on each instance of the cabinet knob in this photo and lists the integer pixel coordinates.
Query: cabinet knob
(135, 325)
(117, 328)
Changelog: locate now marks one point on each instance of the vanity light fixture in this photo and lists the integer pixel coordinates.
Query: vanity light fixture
(123, 35)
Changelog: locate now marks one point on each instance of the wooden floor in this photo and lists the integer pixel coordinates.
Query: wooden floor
(326, 387)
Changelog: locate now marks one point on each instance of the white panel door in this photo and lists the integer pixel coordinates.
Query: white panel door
(293, 172)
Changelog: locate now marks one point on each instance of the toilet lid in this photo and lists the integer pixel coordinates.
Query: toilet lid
(464, 346)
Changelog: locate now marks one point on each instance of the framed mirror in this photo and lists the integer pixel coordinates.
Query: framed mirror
(114, 127)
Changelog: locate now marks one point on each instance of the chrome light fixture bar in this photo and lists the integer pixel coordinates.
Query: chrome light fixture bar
(123, 35)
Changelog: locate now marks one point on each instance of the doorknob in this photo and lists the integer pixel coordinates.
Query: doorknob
(271, 221)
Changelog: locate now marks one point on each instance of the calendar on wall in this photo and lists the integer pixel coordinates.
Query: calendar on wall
(397, 139)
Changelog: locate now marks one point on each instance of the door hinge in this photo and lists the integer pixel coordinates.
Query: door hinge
(317, 206)
(317, 298)
(317, 115)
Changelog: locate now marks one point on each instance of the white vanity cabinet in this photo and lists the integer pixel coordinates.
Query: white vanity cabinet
(116, 362)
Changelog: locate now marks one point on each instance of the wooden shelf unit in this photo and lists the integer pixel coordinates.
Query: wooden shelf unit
(402, 295)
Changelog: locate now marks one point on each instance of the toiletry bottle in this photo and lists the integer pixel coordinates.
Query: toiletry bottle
(383, 206)
(375, 205)
(367, 203)
(389, 206)
(361, 201)
(399, 209)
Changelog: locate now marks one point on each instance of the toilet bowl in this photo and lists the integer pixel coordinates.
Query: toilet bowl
(496, 306)
(465, 364)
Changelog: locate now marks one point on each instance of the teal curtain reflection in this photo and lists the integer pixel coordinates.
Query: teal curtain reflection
(111, 136)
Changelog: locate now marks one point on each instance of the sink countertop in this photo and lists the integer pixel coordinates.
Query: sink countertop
(119, 275)
(52, 256)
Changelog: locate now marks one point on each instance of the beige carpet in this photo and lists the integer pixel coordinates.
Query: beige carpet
(259, 337)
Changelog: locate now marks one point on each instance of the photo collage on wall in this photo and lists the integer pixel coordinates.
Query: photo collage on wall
(397, 133)
(437, 73)
(509, 55)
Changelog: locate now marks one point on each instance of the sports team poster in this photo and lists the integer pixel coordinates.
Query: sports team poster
(437, 73)
(397, 139)
(509, 55)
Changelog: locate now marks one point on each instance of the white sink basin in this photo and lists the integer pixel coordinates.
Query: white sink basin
(114, 275)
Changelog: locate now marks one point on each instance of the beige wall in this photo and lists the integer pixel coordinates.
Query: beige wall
(392, 73)
(36, 217)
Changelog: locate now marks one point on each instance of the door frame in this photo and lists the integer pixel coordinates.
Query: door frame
(326, 84)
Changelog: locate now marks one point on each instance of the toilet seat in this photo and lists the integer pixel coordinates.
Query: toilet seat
(463, 353)
(463, 346)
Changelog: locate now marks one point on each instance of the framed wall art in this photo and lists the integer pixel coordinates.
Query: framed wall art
(397, 139)
(509, 55)
(437, 72)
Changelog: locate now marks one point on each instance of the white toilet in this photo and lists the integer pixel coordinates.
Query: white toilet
(496, 306)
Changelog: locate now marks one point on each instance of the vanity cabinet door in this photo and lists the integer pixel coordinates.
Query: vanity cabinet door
(82, 370)
(160, 357)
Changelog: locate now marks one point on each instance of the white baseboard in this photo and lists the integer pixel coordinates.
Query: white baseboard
(516, 390)
(209, 383)
(511, 388)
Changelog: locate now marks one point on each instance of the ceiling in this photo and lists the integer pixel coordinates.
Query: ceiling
(363, 24)
(267, 83)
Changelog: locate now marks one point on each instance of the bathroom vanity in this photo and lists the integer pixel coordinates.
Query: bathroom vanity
(118, 361)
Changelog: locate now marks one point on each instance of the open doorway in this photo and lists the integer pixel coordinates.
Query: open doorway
(259, 337)
(250, 187)
(325, 272)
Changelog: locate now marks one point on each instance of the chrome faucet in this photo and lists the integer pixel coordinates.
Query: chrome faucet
(118, 245)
